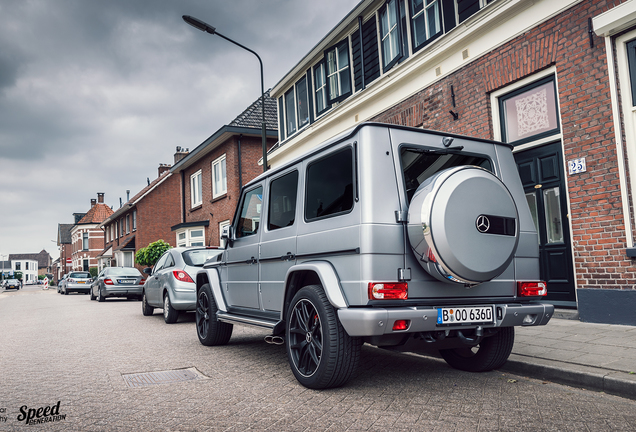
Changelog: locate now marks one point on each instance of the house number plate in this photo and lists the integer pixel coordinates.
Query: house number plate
(576, 166)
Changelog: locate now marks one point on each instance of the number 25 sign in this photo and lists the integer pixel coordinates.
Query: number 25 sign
(576, 166)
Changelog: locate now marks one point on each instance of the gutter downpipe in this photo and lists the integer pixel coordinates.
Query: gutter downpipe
(183, 207)
(240, 168)
(361, 51)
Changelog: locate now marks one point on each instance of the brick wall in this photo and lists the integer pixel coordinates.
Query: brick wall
(222, 208)
(596, 215)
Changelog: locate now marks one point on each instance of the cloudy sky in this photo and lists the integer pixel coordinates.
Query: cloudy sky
(94, 95)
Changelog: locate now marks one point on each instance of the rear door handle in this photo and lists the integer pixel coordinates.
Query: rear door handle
(289, 257)
(251, 261)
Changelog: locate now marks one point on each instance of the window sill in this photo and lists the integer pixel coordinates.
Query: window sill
(219, 198)
(195, 208)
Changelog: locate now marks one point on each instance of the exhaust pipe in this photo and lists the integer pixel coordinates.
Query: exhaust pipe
(274, 340)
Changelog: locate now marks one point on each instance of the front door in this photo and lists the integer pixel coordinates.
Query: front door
(541, 171)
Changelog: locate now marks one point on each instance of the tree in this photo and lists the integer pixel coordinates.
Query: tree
(149, 255)
(93, 271)
(17, 275)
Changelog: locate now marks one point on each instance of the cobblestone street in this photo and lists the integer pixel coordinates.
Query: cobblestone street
(75, 351)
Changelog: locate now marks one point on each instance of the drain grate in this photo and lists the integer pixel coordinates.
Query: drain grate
(162, 377)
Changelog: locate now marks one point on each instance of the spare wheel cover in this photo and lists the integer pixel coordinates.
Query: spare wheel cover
(468, 219)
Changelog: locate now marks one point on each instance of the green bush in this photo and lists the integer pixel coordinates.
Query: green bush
(149, 255)
(93, 271)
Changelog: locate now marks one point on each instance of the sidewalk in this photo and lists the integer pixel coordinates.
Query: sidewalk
(599, 357)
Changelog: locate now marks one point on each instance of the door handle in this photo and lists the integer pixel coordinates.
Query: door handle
(289, 257)
(251, 261)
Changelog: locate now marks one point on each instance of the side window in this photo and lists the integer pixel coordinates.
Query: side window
(250, 215)
(426, 21)
(282, 201)
(320, 88)
(330, 186)
(160, 264)
(169, 260)
(390, 34)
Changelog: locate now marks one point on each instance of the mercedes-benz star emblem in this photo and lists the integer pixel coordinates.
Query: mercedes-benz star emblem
(483, 224)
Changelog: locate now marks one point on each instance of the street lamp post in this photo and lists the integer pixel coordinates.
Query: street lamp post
(205, 27)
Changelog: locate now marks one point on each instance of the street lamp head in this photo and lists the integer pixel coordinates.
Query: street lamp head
(197, 23)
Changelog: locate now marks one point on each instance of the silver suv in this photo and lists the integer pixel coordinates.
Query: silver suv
(402, 238)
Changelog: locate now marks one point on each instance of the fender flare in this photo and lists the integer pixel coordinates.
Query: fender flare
(212, 275)
(328, 278)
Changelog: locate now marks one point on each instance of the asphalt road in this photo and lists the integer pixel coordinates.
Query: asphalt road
(74, 351)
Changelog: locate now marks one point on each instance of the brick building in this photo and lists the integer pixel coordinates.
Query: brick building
(141, 220)
(211, 175)
(66, 250)
(87, 239)
(555, 78)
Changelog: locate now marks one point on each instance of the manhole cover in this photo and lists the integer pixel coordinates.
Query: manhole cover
(162, 377)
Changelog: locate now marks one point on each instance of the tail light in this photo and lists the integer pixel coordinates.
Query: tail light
(142, 281)
(532, 289)
(401, 325)
(182, 276)
(108, 281)
(388, 290)
(71, 280)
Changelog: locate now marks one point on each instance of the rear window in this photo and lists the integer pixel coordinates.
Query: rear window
(80, 275)
(418, 165)
(122, 271)
(198, 257)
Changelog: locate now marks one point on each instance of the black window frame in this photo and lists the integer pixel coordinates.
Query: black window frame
(532, 85)
(298, 103)
(352, 151)
(398, 22)
(321, 64)
(631, 63)
(337, 48)
(288, 129)
(237, 214)
(441, 31)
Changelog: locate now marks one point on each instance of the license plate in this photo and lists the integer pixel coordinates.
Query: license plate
(81, 282)
(465, 315)
(126, 281)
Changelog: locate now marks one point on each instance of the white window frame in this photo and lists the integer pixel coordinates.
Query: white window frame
(134, 220)
(188, 239)
(196, 194)
(85, 241)
(221, 164)
(222, 225)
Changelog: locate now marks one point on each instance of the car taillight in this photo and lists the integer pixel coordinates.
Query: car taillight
(401, 325)
(388, 290)
(182, 276)
(142, 281)
(71, 280)
(532, 289)
(108, 281)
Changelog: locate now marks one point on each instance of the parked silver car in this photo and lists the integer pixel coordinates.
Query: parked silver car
(77, 282)
(398, 237)
(117, 282)
(171, 283)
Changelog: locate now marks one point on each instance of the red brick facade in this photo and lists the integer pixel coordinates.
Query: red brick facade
(222, 208)
(562, 42)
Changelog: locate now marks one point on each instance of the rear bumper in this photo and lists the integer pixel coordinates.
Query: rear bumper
(184, 300)
(121, 291)
(379, 321)
(78, 287)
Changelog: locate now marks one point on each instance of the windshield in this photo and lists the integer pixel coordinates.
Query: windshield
(80, 275)
(12, 281)
(122, 271)
(418, 165)
(198, 257)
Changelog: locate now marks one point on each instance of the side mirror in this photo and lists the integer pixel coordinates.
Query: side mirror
(148, 270)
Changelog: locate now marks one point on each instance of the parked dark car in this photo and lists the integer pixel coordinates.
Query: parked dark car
(171, 285)
(12, 284)
(117, 282)
(77, 282)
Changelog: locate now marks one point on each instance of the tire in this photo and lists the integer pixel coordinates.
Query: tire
(146, 309)
(91, 293)
(321, 354)
(490, 354)
(100, 297)
(170, 314)
(65, 292)
(210, 330)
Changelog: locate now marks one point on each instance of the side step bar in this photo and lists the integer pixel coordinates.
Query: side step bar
(243, 320)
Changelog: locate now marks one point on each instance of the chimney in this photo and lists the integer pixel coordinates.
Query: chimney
(127, 195)
(93, 202)
(163, 168)
(180, 154)
(100, 197)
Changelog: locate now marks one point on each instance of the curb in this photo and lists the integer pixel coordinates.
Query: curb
(588, 377)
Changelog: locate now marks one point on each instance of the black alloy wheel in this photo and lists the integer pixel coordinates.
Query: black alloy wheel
(320, 352)
(491, 353)
(210, 330)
